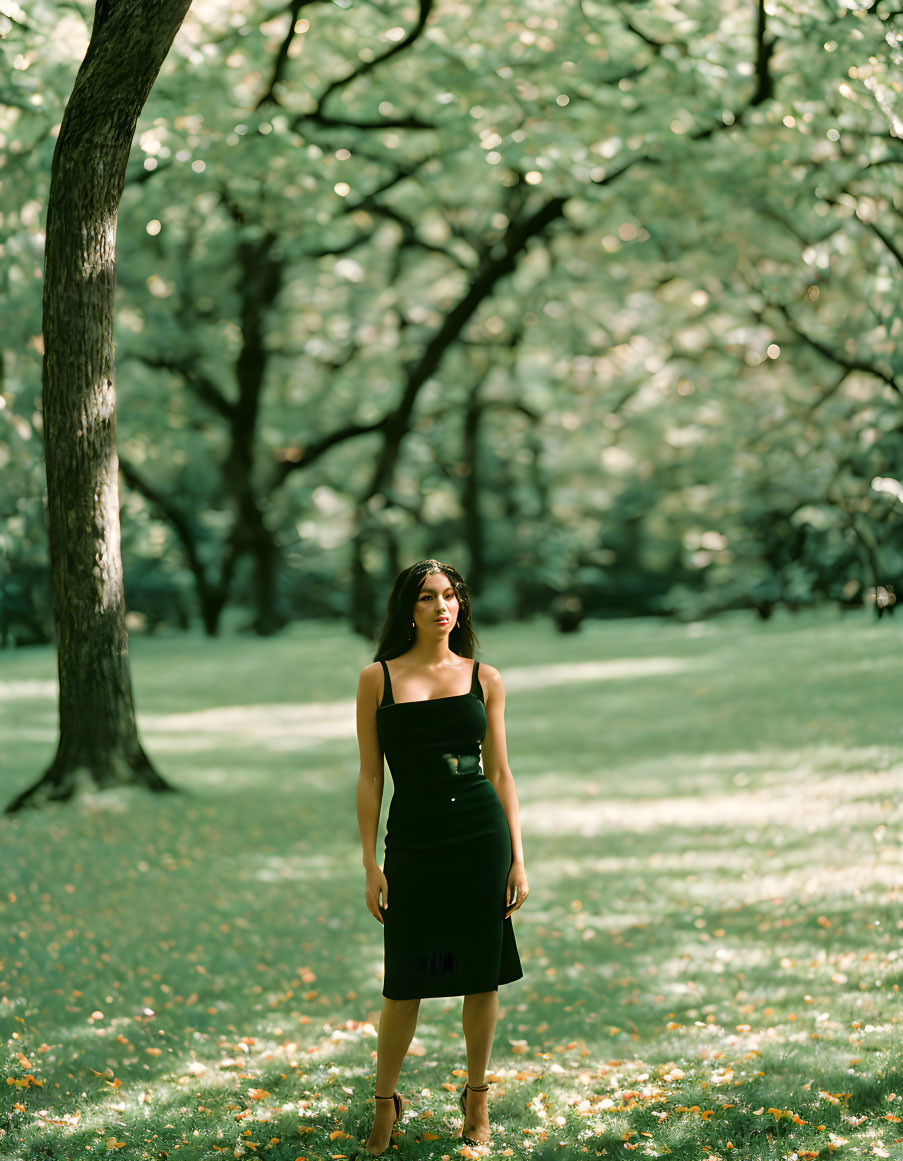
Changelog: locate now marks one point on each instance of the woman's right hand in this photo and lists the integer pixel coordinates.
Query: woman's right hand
(376, 883)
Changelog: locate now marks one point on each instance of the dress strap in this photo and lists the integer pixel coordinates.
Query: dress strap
(387, 687)
(475, 686)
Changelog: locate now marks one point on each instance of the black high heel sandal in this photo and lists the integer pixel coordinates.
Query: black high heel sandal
(399, 1104)
(474, 1088)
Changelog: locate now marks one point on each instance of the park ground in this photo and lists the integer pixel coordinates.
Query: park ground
(712, 944)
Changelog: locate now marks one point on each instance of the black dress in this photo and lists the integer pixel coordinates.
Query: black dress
(448, 851)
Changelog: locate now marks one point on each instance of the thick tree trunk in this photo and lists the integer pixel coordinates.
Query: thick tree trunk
(471, 487)
(364, 617)
(98, 741)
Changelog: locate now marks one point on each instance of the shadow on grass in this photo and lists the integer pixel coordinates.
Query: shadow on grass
(711, 944)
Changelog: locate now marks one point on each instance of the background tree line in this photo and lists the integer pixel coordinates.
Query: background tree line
(599, 302)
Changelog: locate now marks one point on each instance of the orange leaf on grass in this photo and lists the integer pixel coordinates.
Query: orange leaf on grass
(24, 1081)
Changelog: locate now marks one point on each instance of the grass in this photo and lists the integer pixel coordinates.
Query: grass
(712, 944)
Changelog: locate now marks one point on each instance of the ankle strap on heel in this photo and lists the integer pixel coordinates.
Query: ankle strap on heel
(388, 1098)
(477, 1088)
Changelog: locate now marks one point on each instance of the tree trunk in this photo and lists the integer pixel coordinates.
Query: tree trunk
(471, 491)
(261, 274)
(98, 740)
(364, 618)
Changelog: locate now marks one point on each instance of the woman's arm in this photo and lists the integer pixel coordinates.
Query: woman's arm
(495, 756)
(372, 772)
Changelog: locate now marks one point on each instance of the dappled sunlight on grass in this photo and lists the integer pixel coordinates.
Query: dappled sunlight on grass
(711, 947)
(274, 726)
(27, 690)
(541, 676)
(809, 803)
(289, 726)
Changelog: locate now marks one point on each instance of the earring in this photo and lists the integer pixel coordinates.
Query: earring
(457, 624)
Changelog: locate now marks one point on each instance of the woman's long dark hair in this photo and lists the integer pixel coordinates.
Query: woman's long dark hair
(397, 635)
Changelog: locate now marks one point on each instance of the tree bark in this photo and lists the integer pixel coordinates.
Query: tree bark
(98, 742)
(261, 274)
(471, 487)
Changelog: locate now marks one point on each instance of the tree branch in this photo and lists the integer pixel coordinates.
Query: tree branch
(656, 45)
(410, 235)
(835, 356)
(200, 384)
(301, 455)
(362, 70)
(171, 512)
(281, 61)
(764, 49)
(887, 240)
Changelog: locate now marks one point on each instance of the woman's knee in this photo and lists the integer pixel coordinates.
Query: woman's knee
(401, 1006)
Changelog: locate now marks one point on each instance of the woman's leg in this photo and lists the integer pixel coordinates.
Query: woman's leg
(479, 1016)
(397, 1023)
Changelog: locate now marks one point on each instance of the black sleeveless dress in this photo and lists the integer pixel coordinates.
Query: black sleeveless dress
(447, 852)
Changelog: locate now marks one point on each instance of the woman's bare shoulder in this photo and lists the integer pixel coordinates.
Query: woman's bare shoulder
(370, 674)
(490, 678)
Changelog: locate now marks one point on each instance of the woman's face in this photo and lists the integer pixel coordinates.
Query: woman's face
(436, 606)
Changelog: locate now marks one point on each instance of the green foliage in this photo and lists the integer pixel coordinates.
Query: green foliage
(703, 342)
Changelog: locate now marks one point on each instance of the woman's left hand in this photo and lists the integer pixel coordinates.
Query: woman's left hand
(518, 888)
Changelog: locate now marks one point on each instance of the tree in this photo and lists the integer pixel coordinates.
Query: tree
(98, 736)
(326, 209)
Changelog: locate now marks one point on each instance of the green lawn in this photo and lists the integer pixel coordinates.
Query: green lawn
(712, 944)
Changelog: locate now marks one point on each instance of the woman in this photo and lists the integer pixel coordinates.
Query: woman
(454, 865)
